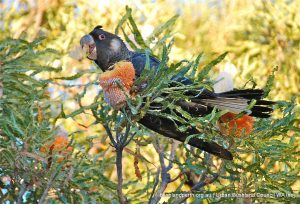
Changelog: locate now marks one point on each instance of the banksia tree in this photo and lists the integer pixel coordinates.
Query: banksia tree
(41, 163)
(257, 147)
(36, 156)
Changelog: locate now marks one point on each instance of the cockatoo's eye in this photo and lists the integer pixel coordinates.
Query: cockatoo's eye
(101, 37)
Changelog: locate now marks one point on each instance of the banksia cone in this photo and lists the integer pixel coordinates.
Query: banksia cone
(235, 127)
(58, 146)
(123, 73)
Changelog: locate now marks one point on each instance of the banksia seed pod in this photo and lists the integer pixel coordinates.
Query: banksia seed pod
(136, 165)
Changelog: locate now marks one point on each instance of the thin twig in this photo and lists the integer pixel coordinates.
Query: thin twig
(207, 181)
(177, 177)
(49, 185)
(69, 176)
(123, 140)
(206, 162)
(172, 154)
(108, 131)
(118, 134)
(21, 193)
(155, 184)
(1, 195)
(131, 137)
(165, 176)
(203, 182)
(119, 144)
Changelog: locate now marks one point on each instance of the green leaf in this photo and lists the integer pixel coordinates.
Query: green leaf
(162, 28)
(270, 82)
(137, 35)
(204, 72)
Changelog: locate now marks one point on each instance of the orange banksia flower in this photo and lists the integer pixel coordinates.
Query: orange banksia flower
(235, 127)
(123, 73)
(97, 148)
(59, 146)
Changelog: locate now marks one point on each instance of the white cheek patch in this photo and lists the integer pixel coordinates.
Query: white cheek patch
(115, 45)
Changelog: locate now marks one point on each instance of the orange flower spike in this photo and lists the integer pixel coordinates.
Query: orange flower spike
(124, 73)
(59, 145)
(236, 127)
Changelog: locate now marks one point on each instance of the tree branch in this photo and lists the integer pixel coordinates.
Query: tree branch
(122, 139)
(21, 192)
(165, 176)
(49, 185)
(204, 180)
(155, 184)
(109, 133)
(119, 166)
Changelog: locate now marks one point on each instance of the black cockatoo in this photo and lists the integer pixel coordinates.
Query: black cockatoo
(106, 49)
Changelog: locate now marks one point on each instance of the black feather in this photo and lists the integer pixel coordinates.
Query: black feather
(260, 114)
(264, 102)
(246, 93)
(167, 128)
(261, 109)
(98, 27)
(195, 109)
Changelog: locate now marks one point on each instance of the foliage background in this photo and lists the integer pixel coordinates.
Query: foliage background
(259, 36)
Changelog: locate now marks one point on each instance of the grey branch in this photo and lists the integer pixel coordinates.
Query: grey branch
(204, 180)
(119, 142)
(21, 192)
(49, 185)
(165, 176)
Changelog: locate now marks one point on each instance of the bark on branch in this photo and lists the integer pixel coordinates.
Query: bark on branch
(163, 171)
(119, 142)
